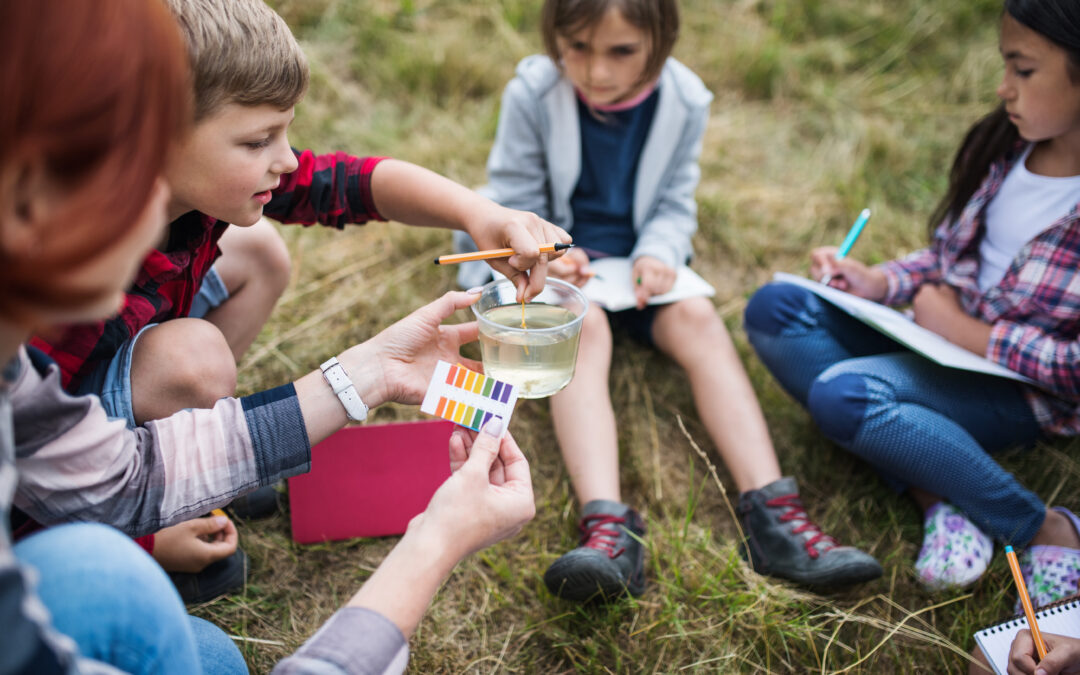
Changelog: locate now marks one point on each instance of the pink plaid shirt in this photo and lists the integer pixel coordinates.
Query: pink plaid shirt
(1034, 310)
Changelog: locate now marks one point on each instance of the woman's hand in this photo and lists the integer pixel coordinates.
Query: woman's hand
(488, 498)
(192, 545)
(1062, 655)
(396, 365)
(651, 277)
(848, 274)
(572, 267)
(500, 227)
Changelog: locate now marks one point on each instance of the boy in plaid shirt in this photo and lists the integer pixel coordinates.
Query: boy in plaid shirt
(200, 299)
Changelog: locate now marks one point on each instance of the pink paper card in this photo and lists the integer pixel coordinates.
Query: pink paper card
(369, 481)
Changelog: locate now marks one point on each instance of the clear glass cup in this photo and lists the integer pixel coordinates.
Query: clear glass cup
(538, 359)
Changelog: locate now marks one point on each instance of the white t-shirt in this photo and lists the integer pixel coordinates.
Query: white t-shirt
(1025, 205)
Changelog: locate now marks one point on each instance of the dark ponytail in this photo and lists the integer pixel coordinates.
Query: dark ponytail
(987, 141)
(994, 136)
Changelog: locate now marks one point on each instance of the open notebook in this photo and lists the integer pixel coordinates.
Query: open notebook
(1060, 618)
(905, 331)
(613, 285)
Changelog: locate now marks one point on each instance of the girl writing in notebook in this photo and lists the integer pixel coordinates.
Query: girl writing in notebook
(602, 135)
(1001, 277)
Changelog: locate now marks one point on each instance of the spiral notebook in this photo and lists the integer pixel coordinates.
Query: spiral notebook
(1060, 618)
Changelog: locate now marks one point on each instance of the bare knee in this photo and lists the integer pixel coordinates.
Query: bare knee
(595, 317)
(183, 363)
(696, 314)
(690, 326)
(595, 330)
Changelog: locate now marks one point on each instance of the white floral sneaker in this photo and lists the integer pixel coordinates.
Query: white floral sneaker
(954, 553)
(1051, 573)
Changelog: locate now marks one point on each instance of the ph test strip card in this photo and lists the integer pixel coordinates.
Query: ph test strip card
(468, 398)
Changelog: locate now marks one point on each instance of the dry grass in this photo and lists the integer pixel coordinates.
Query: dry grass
(822, 107)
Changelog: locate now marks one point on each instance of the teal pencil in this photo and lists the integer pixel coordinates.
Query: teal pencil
(849, 240)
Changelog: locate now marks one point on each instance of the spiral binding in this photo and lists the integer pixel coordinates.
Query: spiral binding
(1059, 607)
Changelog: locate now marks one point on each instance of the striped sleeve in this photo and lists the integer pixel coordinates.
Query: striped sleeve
(906, 275)
(75, 464)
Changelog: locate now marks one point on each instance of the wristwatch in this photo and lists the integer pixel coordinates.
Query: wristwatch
(334, 374)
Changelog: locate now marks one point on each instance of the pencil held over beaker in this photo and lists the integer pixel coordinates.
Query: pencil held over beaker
(494, 253)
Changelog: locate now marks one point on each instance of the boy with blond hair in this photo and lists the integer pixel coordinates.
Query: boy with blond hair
(204, 293)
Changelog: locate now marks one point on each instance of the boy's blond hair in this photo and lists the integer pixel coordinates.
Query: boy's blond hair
(242, 52)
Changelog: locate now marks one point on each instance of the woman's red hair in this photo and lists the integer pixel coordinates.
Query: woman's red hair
(97, 92)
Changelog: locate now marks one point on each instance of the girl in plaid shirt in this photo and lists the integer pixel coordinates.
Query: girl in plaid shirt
(999, 278)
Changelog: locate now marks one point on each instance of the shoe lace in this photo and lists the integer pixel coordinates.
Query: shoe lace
(795, 511)
(596, 533)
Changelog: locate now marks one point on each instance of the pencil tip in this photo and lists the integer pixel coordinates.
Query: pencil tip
(1008, 549)
(436, 261)
(562, 247)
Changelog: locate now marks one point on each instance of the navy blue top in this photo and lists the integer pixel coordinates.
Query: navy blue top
(603, 201)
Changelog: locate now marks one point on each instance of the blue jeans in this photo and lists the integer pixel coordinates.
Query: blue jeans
(916, 422)
(116, 603)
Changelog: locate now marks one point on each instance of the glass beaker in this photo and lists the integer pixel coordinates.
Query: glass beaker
(538, 359)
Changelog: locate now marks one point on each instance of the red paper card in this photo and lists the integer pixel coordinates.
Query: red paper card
(369, 481)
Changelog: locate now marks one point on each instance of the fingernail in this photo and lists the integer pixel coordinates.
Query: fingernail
(494, 426)
(220, 521)
(475, 289)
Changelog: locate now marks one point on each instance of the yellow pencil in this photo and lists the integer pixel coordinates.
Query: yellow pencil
(494, 253)
(1029, 611)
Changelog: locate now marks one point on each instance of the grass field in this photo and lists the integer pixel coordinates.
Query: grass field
(822, 107)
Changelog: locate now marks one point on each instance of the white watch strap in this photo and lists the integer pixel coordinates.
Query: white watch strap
(335, 375)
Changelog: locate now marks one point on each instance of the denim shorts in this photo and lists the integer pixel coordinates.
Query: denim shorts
(111, 380)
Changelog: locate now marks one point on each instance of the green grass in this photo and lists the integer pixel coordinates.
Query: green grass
(822, 107)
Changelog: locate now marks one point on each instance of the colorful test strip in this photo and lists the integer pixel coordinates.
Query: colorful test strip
(468, 398)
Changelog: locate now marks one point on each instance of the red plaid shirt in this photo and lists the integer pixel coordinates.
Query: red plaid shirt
(1034, 310)
(332, 189)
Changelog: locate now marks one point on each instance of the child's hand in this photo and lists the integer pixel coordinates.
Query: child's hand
(192, 545)
(401, 358)
(500, 227)
(1062, 655)
(937, 307)
(848, 274)
(572, 267)
(488, 498)
(651, 277)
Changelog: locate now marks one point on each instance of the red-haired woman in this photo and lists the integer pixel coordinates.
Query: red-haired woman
(96, 93)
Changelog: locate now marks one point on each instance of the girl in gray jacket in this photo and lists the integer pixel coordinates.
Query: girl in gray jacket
(601, 136)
